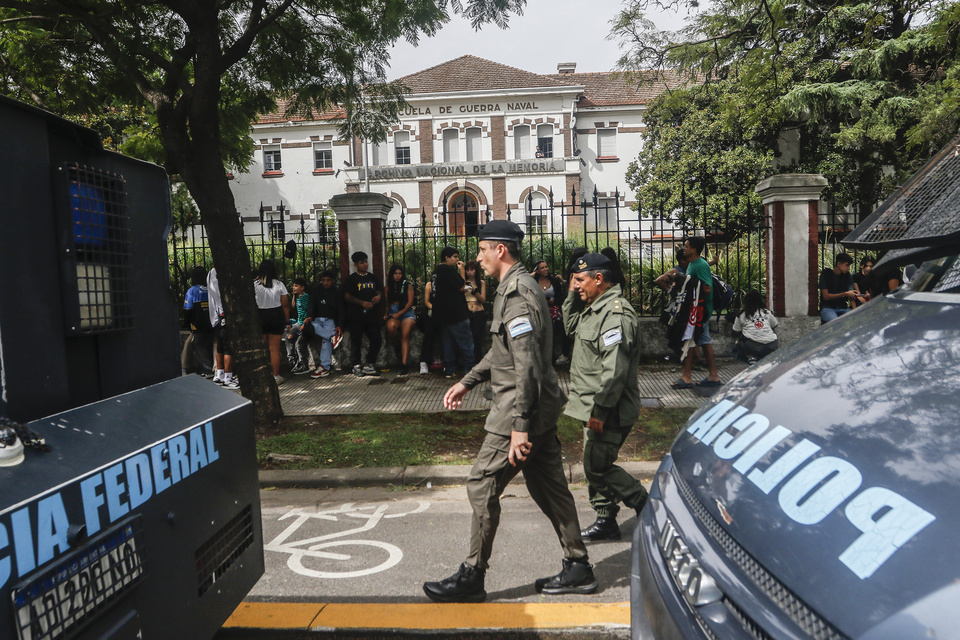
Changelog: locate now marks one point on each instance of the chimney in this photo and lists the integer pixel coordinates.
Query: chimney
(567, 67)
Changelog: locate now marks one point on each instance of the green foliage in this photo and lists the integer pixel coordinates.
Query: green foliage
(866, 89)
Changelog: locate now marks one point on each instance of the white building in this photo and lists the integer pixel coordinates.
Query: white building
(477, 137)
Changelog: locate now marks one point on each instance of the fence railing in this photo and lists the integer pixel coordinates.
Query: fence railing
(306, 252)
(644, 243)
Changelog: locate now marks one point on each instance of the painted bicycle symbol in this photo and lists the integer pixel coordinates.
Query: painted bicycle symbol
(315, 551)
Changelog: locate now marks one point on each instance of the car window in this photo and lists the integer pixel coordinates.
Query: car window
(938, 276)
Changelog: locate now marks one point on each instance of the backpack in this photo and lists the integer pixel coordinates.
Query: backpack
(722, 295)
(199, 316)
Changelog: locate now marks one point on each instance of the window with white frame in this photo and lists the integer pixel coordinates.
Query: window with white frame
(278, 232)
(401, 144)
(545, 140)
(607, 143)
(451, 145)
(271, 158)
(537, 209)
(322, 155)
(605, 217)
(474, 148)
(521, 142)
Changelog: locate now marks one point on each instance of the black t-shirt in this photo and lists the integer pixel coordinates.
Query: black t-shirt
(449, 303)
(362, 287)
(834, 283)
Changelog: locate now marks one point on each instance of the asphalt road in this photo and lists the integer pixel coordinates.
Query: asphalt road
(342, 561)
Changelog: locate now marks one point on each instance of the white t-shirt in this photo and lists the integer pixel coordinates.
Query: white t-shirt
(269, 298)
(758, 327)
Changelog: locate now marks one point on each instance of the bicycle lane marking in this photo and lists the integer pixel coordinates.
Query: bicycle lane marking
(313, 548)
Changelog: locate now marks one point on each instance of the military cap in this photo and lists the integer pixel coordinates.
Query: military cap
(501, 230)
(591, 262)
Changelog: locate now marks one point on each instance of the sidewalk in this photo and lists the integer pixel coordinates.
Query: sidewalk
(388, 393)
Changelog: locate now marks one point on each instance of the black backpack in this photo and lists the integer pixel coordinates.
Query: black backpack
(199, 317)
(722, 295)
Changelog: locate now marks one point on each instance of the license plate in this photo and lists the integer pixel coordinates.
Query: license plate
(78, 588)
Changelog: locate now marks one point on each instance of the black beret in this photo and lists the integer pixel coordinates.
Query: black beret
(591, 262)
(502, 230)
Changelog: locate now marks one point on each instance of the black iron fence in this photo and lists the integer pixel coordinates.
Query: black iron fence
(644, 240)
(304, 251)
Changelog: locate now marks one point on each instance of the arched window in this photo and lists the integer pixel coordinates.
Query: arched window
(537, 210)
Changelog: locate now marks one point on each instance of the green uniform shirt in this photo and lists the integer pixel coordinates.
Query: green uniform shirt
(606, 355)
(526, 391)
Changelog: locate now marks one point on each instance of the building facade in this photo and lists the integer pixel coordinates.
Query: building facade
(477, 139)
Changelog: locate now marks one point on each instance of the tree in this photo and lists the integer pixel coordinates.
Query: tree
(867, 88)
(203, 70)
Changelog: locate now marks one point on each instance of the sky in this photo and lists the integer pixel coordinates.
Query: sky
(535, 41)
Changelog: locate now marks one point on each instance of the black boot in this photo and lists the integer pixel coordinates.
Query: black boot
(466, 585)
(576, 577)
(602, 529)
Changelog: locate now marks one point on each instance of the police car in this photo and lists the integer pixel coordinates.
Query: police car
(817, 495)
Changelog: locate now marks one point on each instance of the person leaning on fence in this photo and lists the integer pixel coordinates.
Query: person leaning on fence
(755, 324)
(475, 291)
(836, 289)
(400, 317)
(429, 328)
(362, 293)
(521, 428)
(224, 353)
(604, 392)
(450, 312)
(196, 305)
(273, 301)
(293, 337)
(323, 323)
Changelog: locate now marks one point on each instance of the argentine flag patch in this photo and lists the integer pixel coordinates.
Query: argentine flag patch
(519, 326)
(612, 337)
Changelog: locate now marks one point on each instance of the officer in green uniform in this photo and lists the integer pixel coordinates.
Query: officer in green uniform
(604, 393)
(521, 426)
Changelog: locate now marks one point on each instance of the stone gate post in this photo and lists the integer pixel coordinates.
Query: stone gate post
(361, 218)
(792, 203)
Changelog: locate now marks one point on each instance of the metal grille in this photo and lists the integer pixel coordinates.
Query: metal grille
(925, 211)
(807, 619)
(224, 548)
(97, 254)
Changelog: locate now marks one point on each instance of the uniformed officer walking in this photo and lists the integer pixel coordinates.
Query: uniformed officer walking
(604, 392)
(521, 426)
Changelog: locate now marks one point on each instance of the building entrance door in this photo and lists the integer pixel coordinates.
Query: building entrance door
(463, 217)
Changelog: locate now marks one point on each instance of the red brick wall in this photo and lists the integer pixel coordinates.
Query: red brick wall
(499, 198)
(426, 142)
(498, 141)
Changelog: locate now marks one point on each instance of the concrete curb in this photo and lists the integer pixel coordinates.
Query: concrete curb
(410, 476)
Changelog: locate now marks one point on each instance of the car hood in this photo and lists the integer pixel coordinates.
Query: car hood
(835, 462)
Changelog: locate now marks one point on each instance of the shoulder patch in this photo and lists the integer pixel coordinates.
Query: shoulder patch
(519, 326)
(612, 337)
(511, 287)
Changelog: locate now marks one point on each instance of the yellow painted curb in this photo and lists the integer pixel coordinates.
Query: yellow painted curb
(520, 615)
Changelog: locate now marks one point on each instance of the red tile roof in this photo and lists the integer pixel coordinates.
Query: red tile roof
(617, 88)
(470, 73)
(281, 114)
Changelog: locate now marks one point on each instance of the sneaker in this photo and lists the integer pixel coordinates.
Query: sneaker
(602, 529)
(357, 371)
(335, 341)
(278, 379)
(466, 585)
(217, 380)
(370, 370)
(301, 369)
(403, 370)
(575, 577)
(450, 376)
(232, 384)
(320, 372)
(424, 369)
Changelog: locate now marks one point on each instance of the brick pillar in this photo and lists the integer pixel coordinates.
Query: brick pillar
(792, 202)
(426, 141)
(499, 198)
(567, 137)
(498, 140)
(361, 218)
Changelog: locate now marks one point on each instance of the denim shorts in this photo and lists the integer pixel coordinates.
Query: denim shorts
(705, 336)
(409, 313)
